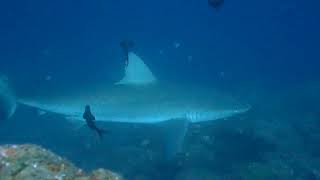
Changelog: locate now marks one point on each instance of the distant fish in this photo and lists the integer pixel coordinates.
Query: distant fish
(176, 45)
(216, 4)
(89, 117)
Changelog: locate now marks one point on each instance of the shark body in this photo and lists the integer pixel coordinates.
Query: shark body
(149, 104)
(140, 98)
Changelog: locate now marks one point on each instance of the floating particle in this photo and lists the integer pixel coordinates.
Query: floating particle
(189, 58)
(48, 78)
(222, 74)
(45, 52)
(145, 142)
(216, 4)
(35, 165)
(176, 45)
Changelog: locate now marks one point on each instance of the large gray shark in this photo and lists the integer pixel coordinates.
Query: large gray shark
(140, 98)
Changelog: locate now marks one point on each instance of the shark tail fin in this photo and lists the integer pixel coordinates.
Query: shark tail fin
(174, 132)
(8, 102)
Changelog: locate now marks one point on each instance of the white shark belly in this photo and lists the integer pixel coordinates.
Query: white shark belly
(135, 113)
(125, 114)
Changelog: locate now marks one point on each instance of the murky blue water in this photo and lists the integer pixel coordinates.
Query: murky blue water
(263, 52)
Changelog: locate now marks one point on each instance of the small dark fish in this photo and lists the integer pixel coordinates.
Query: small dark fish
(126, 46)
(89, 117)
(216, 4)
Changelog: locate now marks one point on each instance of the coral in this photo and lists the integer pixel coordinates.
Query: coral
(21, 162)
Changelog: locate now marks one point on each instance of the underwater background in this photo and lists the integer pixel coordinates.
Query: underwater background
(263, 52)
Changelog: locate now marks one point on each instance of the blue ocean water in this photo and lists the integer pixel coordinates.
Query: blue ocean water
(263, 52)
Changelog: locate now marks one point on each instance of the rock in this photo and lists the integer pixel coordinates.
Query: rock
(265, 171)
(20, 162)
(104, 174)
(195, 174)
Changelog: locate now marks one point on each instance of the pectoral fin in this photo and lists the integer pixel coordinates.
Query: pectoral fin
(174, 132)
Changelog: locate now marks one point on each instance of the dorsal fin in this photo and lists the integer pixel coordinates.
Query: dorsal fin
(137, 72)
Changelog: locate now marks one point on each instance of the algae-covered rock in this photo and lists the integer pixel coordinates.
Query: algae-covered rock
(266, 171)
(24, 162)
(104, 174)
(196, 174)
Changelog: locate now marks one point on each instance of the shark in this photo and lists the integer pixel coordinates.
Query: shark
(139, 97)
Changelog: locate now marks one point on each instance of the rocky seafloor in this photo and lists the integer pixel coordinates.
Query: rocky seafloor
(31, 162)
